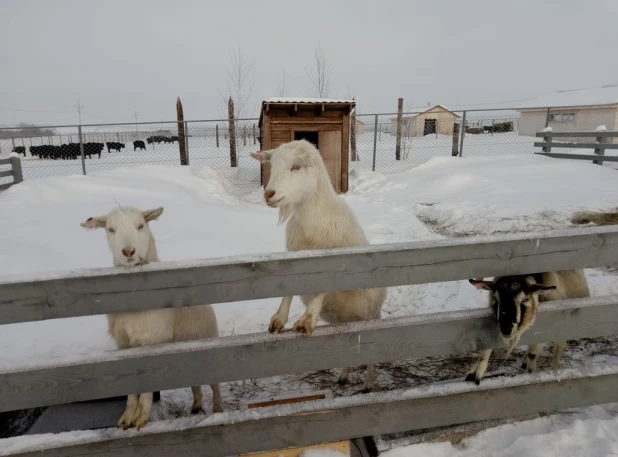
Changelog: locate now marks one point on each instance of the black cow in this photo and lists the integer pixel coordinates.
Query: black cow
(138, 144)
(115, 146)
(20, 150)
(174, 138)
(93, 148)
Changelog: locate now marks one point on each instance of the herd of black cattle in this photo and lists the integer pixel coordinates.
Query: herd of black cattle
(73, 150)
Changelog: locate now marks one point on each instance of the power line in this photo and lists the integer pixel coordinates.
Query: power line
(32, 111)
(79, 111)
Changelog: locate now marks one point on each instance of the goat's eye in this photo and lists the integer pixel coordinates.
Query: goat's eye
(111, 230)
(141, 226)
(295, 167)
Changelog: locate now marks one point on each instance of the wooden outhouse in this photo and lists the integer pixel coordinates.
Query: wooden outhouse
(323, 122)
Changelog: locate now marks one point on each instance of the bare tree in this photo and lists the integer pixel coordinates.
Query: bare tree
(319, 75)
(240, 83)
(281, 88)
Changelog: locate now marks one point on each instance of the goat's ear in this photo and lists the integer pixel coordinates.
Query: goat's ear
(262, 156)
(95, 222)
(540, 288)
(152, 214)
(479, 283)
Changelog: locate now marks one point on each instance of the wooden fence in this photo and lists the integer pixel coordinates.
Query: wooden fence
(599, 147)
(14, 171)
(89, 292)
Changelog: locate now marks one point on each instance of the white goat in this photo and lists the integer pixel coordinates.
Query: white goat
(317, 218)
(132, 243)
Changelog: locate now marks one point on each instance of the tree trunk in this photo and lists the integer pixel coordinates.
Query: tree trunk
(354, 155)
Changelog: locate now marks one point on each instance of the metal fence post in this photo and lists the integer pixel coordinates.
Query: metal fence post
(18, 175)
(375, 141)
(463, 134)
(81, 148)
(187, 140)
(547, 116)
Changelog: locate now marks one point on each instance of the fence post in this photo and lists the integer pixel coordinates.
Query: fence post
(18, 175)
(254, 137)
(463, 133)
(547, 116)
(182, 133)
(455, 149)
(13, 141)
(186, 141)
(354, 155)
(399, 125)
(493, 124)
(81, 148)
(547, 139)
(232, 133)
(600, 150)
(217, 133)
(244, 135)
(375, 141)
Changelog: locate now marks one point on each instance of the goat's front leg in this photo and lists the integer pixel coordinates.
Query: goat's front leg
(143, 410)
(529, 362)
(280, 318)
(476, 374)
(308, 320)
(126, 420)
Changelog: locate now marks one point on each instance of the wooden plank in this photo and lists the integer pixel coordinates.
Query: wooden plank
(87, 292)
(340, 446)
(330, 420)
(260, 355)
(306, 113)
(5, 161)
(579, 134)
(345, 152)
(6, 186)
(266, 145)
(308, 120)
(558, 155)
(6, 173)
(285, 135)
(572, 145)
(329, 144)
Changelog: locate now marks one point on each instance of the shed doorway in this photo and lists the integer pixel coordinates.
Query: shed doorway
(311, 137)
(430, 126)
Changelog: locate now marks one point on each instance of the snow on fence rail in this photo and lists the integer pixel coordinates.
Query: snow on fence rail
(599, 147)
(258, 355)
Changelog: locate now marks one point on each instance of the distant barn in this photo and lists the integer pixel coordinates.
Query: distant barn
(438, 119)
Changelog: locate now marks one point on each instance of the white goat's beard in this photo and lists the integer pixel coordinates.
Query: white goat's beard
(285, 211)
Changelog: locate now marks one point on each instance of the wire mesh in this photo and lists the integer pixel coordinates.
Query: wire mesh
(425, 135)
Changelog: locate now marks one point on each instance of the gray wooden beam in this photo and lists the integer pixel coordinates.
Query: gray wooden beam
(5, 161)
(557, 155)
(6, 173)
(175, 284)
(260, 355)
(571, 145)
(330, 420)
(5, 187)
(579, 134)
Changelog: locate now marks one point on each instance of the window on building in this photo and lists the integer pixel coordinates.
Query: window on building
(562, 117)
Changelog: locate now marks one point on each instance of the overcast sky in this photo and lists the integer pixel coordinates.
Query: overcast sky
(119, 56)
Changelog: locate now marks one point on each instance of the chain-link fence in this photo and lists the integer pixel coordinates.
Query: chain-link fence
(424, 135)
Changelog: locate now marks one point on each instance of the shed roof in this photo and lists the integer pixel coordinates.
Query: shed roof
(597, 96)
(308, 100)
(429, 109)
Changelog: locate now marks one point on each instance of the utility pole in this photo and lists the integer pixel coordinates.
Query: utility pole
(79, 111)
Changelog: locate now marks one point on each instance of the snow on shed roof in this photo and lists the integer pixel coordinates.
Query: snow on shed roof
(306, 100)
(606, 95)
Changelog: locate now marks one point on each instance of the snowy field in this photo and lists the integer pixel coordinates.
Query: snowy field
(203, 151)
(208, 215)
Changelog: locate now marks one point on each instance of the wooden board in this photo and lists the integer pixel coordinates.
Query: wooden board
(329, 144)
(345, 153)
(340, 419)
(306, 121)
(260, 355)
(557, 155)
(340, 446)
(87, 292)
(6, 173)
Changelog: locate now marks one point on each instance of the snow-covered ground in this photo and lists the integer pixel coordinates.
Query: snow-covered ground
(206, 215)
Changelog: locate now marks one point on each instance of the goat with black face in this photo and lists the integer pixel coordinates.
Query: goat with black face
(514, 301)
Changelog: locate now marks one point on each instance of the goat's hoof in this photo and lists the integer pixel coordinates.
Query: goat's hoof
(217, 409)
(303, 325)
(197, 409)
(472, 377)
(125, 422)
(342, 381)
(276, 324)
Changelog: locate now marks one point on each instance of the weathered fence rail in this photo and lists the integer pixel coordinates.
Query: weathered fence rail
(599, 147)
(259, 355)
(15, 171)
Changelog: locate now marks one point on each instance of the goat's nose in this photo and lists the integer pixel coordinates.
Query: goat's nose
(269, 194)
(128, 252)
